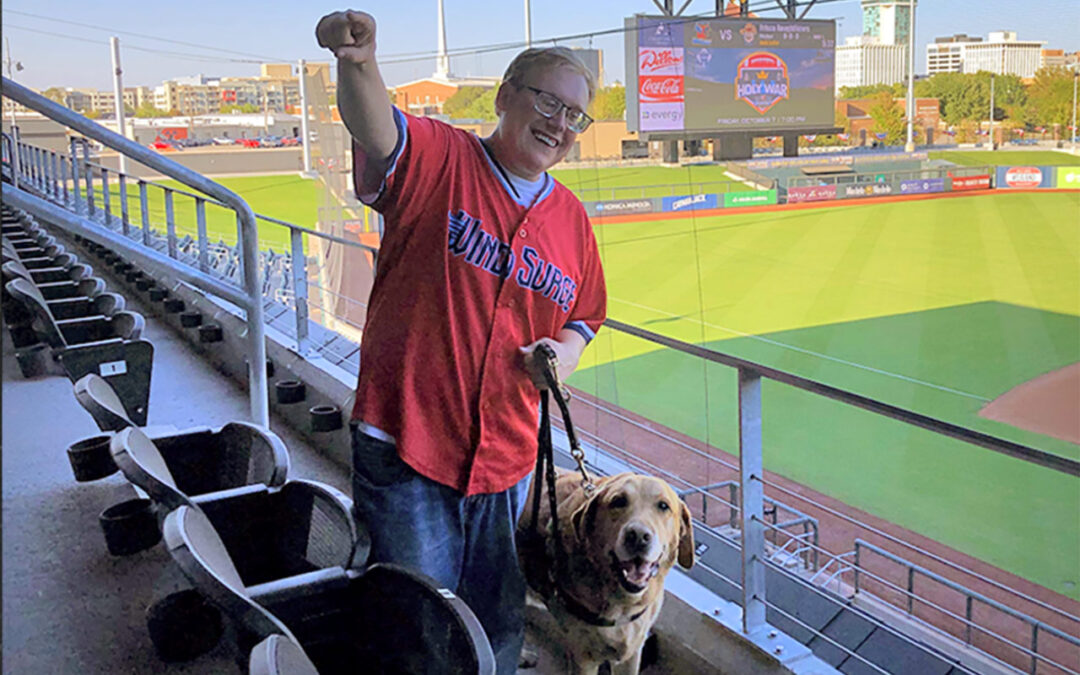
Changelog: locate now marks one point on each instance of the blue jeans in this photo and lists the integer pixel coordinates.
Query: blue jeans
(465, 543)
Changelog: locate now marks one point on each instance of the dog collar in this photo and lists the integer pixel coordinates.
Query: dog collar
(580, 611)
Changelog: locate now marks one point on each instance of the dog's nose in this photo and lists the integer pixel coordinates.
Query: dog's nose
(637, 539)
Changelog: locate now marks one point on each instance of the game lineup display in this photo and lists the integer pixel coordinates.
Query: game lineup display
(729, 74)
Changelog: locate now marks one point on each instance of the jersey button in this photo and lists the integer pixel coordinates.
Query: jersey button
(522, 233)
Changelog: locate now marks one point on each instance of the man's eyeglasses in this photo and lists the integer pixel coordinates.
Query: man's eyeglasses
(549, 106)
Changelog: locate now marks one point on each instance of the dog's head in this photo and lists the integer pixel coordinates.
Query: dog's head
(638, 526)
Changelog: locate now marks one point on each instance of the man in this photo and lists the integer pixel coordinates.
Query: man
(484, 256)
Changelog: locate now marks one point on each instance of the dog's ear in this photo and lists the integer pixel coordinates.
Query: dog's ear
(584, 519)
(686, 537)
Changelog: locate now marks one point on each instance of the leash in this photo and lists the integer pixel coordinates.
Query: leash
(541, 576)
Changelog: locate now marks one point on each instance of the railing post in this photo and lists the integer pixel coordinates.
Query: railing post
(1034, 646)
(298, 263)
(55, 180)
(75, 172)
(170, 223)
(144, 212)
(64, 178)
(239, 249)
(967, 617)
(857, 567)
(16, 162)
(105, 195)
(88, 174)
(910, 590)
(751, 491)
(125, 223)
(200, 232)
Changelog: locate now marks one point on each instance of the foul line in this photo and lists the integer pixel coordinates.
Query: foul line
(808, 352)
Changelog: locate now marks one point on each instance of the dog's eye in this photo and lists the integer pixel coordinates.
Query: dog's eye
(619, 502)
(663, 506)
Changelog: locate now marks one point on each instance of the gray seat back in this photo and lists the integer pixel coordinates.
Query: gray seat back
(278, 655)
(94, 394)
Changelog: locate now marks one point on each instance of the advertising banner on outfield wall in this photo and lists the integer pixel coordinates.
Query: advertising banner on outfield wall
(749, 198)
(689, 203)
(1025, 177)
(1068, 177)
(922, 186)
(960, 183)
(811, 193)
(865, 190)
(617, 207)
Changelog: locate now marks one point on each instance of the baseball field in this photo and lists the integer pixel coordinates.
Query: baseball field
(937, 306)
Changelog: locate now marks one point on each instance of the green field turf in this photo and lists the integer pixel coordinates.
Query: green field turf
(936, 306)
(1007, 158)
(289, 198)
(294, 199)
(600, 183)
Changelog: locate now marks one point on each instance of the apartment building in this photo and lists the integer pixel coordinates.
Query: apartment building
(1002, 53)
(862, 61)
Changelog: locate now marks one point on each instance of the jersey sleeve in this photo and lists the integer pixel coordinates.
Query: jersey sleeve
(413, 168)
(590, 306)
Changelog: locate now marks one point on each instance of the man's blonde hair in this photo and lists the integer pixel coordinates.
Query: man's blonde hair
(548, 57)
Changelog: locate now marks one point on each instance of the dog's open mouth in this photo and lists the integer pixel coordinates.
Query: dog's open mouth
(634, 574)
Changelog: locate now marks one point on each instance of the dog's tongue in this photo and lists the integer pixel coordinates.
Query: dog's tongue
(637, 571)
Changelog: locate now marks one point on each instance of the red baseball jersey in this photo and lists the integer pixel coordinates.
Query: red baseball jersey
(466, 275)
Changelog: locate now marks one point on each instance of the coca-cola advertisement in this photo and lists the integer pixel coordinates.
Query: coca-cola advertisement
(660, 88)
(667, 61)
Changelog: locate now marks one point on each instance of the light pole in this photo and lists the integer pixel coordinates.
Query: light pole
(17, 66)
(910, 145)
(991, 112)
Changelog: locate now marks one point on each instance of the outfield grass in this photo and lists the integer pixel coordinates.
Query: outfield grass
(599, 183)
(289, 198)
(936, 306)
(1007, 157)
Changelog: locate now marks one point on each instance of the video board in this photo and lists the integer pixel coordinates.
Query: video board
(709, 75)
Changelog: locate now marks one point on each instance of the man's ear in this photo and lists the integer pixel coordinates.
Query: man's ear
(502, 97)
(686, 537)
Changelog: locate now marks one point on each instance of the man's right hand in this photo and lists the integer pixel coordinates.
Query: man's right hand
(350, 35)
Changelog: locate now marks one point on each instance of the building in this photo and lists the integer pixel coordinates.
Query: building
(1000, 53)
(888, 21)
(857, 111)
(861, 61)
(879, 55)
(1052, 58)
(945, 54)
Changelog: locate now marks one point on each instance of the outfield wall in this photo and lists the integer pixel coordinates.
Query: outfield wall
(1035, 177)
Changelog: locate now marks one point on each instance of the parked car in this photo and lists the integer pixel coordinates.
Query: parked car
(248, 142)
(223, 141)
(270, 142)
(290, 141)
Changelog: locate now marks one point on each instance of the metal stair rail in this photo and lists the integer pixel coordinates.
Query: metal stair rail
(248, 298)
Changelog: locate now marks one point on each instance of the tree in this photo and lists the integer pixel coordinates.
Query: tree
(56, 94)
(966, 96)
(456, 105)
(92, 114)
(480, 108)
(609, 103)
(147, 109)
(888, 118)
(1050, 97)
(868, 91)
(243, 108)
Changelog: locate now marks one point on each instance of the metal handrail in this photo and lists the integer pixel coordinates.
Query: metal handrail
(251, 301)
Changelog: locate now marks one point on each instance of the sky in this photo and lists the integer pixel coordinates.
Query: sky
(66, 43)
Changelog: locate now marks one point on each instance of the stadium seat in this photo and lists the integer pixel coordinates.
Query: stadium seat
(388, 618)
(279, 655)
(173, 470)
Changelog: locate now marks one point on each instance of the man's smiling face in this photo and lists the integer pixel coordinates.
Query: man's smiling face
(526, 143)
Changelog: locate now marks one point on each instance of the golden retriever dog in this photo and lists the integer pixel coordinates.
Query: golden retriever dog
(621, 539)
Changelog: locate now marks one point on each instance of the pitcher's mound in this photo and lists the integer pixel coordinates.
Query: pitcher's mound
(1049, 404)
